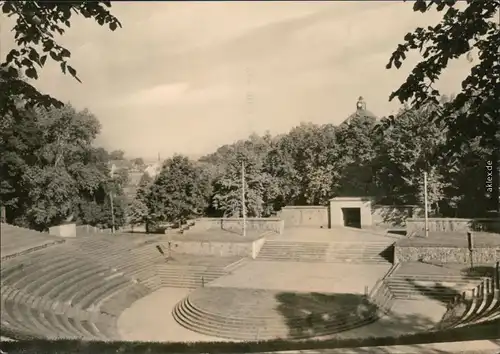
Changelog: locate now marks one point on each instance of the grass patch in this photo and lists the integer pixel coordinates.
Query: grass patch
(490, 330)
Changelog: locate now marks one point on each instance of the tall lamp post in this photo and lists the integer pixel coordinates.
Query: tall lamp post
(112, 174)
(243, 206)
(426, 209)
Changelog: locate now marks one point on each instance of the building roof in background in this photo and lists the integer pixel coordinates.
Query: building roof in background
(153, 169)
(135, 177)
(122, 164)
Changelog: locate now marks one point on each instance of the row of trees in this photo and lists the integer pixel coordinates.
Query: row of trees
(313, 163)
(50, 172)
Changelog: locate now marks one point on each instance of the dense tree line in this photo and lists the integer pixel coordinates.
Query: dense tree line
(51, 172)
(313, 163)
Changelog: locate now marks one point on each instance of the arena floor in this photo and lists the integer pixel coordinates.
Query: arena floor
(302, 276)
(150, 319)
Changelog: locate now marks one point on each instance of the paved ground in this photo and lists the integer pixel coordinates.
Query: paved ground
(150, 319)
(339, 234)
(302, 276)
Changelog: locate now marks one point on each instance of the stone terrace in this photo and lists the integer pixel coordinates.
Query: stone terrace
(214, 236)
(336, 234)
(15, 240)
(451, 239)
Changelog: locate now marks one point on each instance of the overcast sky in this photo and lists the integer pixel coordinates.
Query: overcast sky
(187, 77)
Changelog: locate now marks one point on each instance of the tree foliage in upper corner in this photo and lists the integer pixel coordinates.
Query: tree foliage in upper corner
(36, 25)
(461, 32)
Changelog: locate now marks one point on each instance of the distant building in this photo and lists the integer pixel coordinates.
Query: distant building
(361, 111)
(153, 169)
(134, 175)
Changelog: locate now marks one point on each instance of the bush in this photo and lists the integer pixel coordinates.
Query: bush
(488, 330)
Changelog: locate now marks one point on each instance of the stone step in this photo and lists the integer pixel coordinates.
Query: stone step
(250, 328)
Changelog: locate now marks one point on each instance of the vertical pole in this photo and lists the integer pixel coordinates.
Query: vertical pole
(112, 212)
(471, 259)
(470, 244)
(243, 207)
(112, 174)
(426, 206)
(497, 275)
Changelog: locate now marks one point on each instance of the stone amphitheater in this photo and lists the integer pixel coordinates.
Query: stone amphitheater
(298, 284)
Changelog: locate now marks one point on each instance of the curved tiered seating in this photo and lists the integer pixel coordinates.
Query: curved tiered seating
(438, 287)
(73, 290)
(249, 314)
(187, 276)
(476, 311)
(477, 305)
(79, 288)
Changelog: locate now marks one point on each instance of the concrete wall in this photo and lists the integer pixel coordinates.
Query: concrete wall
(444, 254)
(221, 249)
(236, 224)
(386, 216)
(417, 225)
(394, 216)
(257, 246)
(82, 230)
(66, 230)
(314, 216)
(336, 214)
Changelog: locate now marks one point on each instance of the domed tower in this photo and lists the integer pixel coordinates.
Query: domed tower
(361, 111)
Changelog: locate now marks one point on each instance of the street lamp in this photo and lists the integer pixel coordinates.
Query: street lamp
(112, 174)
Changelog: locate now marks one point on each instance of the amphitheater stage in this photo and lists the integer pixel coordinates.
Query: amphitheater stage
(304, 277)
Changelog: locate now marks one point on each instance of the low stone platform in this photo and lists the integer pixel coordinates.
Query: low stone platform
(214, 236)
(258, 314)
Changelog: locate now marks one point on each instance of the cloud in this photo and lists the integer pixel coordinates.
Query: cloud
(186, 69)
(156, 95)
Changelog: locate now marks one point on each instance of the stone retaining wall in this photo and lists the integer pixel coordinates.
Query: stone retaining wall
(385, 216)
(218, 248)
(297, 215)
(65, 230)
(417, 225)
(236, 224)
(444, 254)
